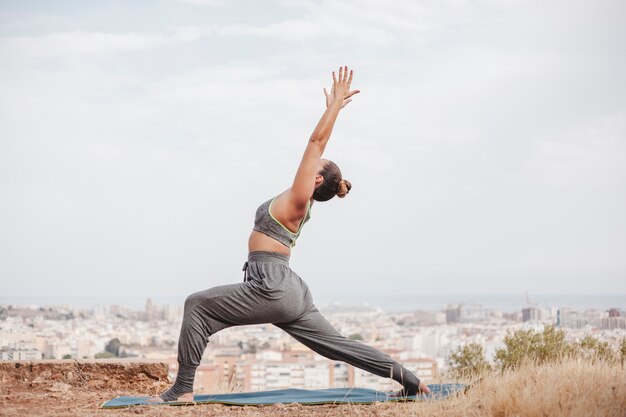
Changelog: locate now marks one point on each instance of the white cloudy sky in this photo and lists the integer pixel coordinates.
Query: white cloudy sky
(487, 149)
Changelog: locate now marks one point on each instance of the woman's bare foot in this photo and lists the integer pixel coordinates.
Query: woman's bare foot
(185, 398)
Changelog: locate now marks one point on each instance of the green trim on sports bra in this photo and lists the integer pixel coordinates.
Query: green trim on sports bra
(297, 233)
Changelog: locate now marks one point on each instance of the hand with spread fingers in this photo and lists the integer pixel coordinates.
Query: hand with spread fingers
(340, 92)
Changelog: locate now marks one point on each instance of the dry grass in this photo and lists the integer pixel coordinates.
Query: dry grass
(570, 388)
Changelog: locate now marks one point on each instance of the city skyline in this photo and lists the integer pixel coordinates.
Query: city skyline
(152, 332)
(507, 303)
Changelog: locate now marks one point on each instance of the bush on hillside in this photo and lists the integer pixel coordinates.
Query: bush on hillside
(593, 349)
(468, 361)
(113, 347)
(524, 346)
(534, 347)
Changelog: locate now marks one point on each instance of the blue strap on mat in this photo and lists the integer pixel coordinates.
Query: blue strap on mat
(301, 396)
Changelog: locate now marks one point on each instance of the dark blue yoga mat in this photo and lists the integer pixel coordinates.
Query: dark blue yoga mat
(301, 396)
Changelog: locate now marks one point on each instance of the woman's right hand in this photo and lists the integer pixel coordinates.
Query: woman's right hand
(340, 92)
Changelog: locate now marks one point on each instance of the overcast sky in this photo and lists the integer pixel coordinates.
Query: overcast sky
(487, 149)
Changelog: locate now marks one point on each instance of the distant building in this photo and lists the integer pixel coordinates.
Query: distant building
(473, 313)
(514, 316)
(423, 368)
(20, 354)
(531, 314)
(613, 323)
(466, 313)
(426, 318)
(272, 369)
(85, 348)
(149, 309)
(261, 375)
(453, 313)
(577, 319)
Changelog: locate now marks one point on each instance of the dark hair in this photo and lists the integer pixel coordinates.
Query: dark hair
(333, 184)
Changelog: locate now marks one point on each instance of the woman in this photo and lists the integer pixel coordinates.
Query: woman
(271, 291)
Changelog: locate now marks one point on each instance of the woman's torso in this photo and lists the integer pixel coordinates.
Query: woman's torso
(280, 212)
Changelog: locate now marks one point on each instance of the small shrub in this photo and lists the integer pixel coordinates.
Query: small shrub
(468, 361)
(523, 346)
(113, 347)
(593, 349)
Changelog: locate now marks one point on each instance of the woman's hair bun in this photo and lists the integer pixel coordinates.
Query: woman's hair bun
(344, 188)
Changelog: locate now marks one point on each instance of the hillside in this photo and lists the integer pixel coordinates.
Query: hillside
(77, 388)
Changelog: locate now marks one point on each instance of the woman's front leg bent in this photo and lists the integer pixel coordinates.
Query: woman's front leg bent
(205, 313)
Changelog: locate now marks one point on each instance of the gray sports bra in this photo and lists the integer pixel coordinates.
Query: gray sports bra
(267, 224)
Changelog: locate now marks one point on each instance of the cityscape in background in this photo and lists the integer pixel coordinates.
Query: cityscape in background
(263, 357)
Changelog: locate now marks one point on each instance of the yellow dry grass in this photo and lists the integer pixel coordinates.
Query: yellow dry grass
(572, 388)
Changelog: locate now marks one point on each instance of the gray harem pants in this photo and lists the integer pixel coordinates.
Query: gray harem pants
(271, 293)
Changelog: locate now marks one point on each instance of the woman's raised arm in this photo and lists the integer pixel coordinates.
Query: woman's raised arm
(304, 183)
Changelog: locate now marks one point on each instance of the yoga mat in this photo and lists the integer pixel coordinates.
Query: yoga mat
(301, 396)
